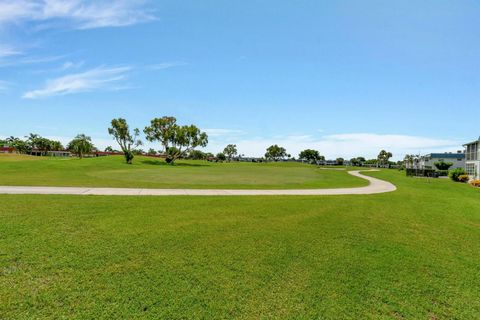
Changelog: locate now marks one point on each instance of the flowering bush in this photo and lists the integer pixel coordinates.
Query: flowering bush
(475, 183)
(456, 173)
(463, 178)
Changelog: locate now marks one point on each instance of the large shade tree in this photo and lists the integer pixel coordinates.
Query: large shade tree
(310, 155)
(81, 145)
(183, 139)
(177, 141)
(162, 130)
(230, 151)
(275, 153)
(127, 140)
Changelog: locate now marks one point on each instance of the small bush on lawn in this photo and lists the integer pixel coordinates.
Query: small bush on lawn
(463, 178)
(456, 173)
(475, 183)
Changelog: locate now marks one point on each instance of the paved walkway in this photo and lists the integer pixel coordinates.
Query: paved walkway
(375, 186)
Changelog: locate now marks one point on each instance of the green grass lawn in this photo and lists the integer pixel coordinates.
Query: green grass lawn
(410, 254)
(153, 173)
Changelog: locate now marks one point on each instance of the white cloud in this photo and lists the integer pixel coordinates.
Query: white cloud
(8, 51)
(98, 78)
(72, 65)
(79, 14)
(167, 65)
(342, 145)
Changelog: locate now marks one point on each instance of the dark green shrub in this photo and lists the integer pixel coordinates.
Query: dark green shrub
(442, 165)
(456, 173)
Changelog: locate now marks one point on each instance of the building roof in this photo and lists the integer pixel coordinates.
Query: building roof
(476, 141)
(446, 155)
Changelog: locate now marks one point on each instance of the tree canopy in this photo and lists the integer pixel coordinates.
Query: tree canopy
(162, 130)
(275, 153)
(442, 165)
(383, 157)
(125, 139)
(176, 140)
(310, 155)
(230, 151)
(81, 145)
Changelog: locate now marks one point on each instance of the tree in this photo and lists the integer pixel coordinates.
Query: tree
(81, 145)
(176, 140)
(275, 153)
(358, 161)
(230, 151)
(310, 155)
(18, 144)
(152, 152)
(35, 141)
(109, 149)
(183, 139)
(442, 165)
(383, 157)
(161, 129)
(125, 139)
(197, 155)
(221, 156)
(55, 145)
(340, 161)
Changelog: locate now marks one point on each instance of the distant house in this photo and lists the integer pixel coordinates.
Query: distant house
(472, 159)
(7, 149)
(428, 161)
(40, 153)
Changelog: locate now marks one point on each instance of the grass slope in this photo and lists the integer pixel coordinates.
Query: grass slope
(152, 173)
(410, 254)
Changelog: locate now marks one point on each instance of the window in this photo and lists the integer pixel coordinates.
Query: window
(470, 168)
(472, 151)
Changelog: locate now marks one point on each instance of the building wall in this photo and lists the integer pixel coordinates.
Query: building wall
(429, 163)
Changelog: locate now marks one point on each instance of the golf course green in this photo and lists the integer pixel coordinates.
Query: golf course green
(147, 172)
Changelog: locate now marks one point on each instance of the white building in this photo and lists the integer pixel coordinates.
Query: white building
(428, 161)
(472, 159)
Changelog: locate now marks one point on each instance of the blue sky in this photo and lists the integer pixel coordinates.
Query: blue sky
(345, 77)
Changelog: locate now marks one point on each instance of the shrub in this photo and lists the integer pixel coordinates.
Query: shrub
(463, 178)
(442, 165)
(455, 173)
(475, 183)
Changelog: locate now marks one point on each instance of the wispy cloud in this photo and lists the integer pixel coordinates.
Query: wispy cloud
(30, 60)
(79, 14)
(95, 79)
(71, 65)
(167, 65)
(8, 51)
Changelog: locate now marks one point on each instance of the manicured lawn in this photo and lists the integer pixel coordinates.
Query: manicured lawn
(410, 254)
(153, 173)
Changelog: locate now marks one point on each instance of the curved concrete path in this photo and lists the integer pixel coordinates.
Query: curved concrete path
(375, 186)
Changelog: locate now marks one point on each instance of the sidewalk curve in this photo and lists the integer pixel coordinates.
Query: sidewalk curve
(375, 186)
